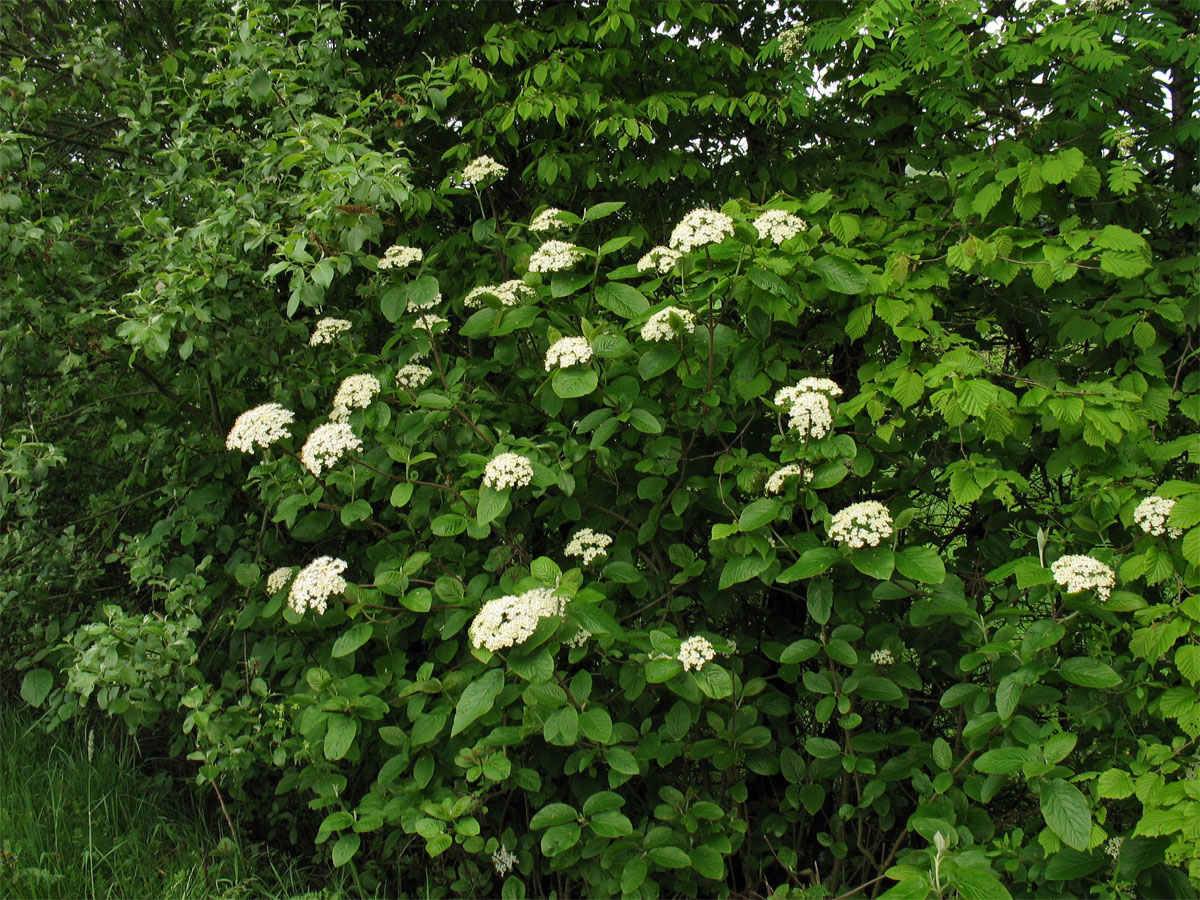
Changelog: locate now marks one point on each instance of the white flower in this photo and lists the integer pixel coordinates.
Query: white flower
(695, 652)
(568, 351)
(659, 259)
(581, 637)
(413, 375)
(699, 227)
(278, 579)
(428, 321)
(882, 657)
(779, 225)
(317, 582)
(510, 293)
(589, 544)
(658, 327)
(547, 220)
(263, 425)
(1080, 573)
(418, 305)
(506, 471)
(1152, 514)
(326, 445)
(355, 392)
(481, 168)
(554, 256)
(327, 331)
(510, 620)
(782, 474)
(503, 860)
(1113, 847)
(811, 416)
(785, 397)
(791, 41)
(863, 524)
(400, 256)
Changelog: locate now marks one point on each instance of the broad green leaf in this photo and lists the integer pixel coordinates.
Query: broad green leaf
(758, 513)
(1002, 760)
(660, 357)
(345, 848)
(840, 275)
(877, 562)
(574, 381)
(601, 210)
(1115, 784)
(741, 569)
(36, 685)
(1066, 812)
(627, 302)
(339, 735)
(352, 640)
(799, 651)
(611, 824)
(553, 814)
(477, 699)
(921, 564)
(670, 857)
(811, 562)
(1089, 673)
(558, 838)
(491, 504)
(708, 863)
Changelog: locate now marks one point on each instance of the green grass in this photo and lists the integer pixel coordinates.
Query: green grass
(75, 823)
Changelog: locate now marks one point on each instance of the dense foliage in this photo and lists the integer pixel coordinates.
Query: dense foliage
(913, 626)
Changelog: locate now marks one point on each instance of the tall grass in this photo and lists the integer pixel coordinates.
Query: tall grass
(79, 818)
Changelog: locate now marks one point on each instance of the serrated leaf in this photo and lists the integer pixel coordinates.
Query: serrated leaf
(988, 197)
(1114, 784)
(840, 275)
(1002, 760)
(1066, 812)
(845, 227)
(1089, 673)
(741, 569)
(1063, 166)
(1114, 237)
(36, 685)
(477, 699)
(1124, 263)
(627, 302)
(352, 639)
(908, 389)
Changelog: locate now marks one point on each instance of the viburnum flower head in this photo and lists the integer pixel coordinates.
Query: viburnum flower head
(658, 327)
(400, 256)
(482, 168)
(355, 392)
(419, 305)
(589, 544)
(791, 41)
(547, 220)
(510, 620)
(863, 524)
(1080, 573)
(413, 375)
(503, 859)
(327, 444)
(660, 259)
(507, 470)
(327, 330)
(510, 293)
(428, 322)
(779, 225)
(316, 583)
(699, 227)
(783, 473)
(882, 657)
(263, 425)
(1152, 514)
(554, 256)
(568, 351)
(785, 397)
(811, 416)
(278, 579)
(695, 652)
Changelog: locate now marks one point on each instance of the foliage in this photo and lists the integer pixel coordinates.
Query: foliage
(996, 271)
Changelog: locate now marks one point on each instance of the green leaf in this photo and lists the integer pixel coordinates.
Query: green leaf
(714, 681)
(477, 699)
(1187, 660)
(1089, 673)
(1114, 237)
(339, 735)
(246, 574)
(596, 724)
(355, 511)
(574, 381)
(799, 651)
(260, 85)
(877, 562)
(908, 389)
(611, 824)
(1063, 166)
(491, 504)
(633, 874)
(1066, 812)
(559, 838)
(844, 227)
(645, 421)
(1124, 263)
(621, 760)
(352, 639)
(659, 358)
(812, 562)
(741, 569)
(758, 513)
(1114, 784)
(670, 857)
(840, 275)
(708, 863)
(1068, 864)
(401, 494)
(822, 748)
(600, 210)
(978, 884)
(1002, 760)
(448, 525)
(345, 848)
(553, 814)
(627, 302)
(36, 685)
(622, 572)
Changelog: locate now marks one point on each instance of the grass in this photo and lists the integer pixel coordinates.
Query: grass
(80, 818)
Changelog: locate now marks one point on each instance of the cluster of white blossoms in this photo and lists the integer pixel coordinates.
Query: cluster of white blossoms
(510, 620)
(316, 583)
(355, 392)
(699, 227)
(263, 425)
(418, 305)
(278, 579)
(510, 293)
(400, 256)
(547, 220)
(507, 470)
(428, 322)
(1113, 846)
(481, 168)
(660, 259)
(581, 638)
(568, 351)
(1152, 514)
(327, 331)
(791, 41)
(695, 652)
(658, 327)
(785, 397)
(327, 444)
(863, 524)
(779, 225)
(882, 657)
(589, 544)
(503, 859)
(554, 256)
(413, 375)
(1080, 573)
(783, 473)
(811, 416)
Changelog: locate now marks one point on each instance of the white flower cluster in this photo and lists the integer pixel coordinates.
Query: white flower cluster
(659, 259)
(413, 375)
(503, 859)
(418, 305)
(699, 227)
(263, 425)
(326, 445)
(882, 657)
(554, 256)
(428, 321)
(1152, 514)
(811, 416)
(316, 583)
(510, 620)
(481, 168)
(782, 474)
(1113, 847)
(400, 256)
(791, 41)
(547, 220)
(1079, 573)
(355, 392)
(785, 397)
(510, 293)
(863, 524)
(568, 351)
(695, 652)
(278, 579)
(327, 331)
(779, 225)
(506, 471)
(658, 326)
(589, 544)
(581, 638)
